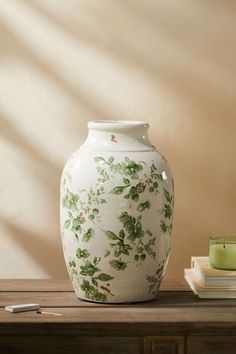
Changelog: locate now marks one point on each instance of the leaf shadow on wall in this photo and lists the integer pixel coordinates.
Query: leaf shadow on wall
(45, 171)
(168, 55)
(39, 164)
(18, 48)
(39, 249)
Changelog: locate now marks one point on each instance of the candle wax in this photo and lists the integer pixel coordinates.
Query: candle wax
(223, 255)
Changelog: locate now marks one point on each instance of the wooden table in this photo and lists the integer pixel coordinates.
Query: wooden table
(176, 322)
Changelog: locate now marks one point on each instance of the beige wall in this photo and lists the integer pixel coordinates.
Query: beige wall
(62, 63)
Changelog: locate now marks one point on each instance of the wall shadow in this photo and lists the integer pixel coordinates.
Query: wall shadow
(171, 65)
(74, 94)
(45, 252)
(44, 170)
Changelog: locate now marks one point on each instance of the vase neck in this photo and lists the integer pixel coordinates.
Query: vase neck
(113, 135)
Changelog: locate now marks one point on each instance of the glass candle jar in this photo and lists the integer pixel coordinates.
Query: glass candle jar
(223, 252)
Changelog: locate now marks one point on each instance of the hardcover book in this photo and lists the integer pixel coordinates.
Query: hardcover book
(207, 292)
(210, 276)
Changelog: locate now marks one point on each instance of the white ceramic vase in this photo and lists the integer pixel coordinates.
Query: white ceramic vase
(116, 214)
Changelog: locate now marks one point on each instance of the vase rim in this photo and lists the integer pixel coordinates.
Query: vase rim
(117, 124)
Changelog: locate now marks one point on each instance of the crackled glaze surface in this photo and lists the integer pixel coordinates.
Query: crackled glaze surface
(116, 214)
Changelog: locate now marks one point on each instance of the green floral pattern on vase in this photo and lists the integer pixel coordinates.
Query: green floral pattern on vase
(130, 237)
(154, 279)
(92, 276)
(79, 211)
(166, 212)
(132, 242)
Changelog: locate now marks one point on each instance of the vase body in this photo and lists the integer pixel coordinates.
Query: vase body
(116, 214)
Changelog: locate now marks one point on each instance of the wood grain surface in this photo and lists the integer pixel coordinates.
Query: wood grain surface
(172, 312)
(176, 322)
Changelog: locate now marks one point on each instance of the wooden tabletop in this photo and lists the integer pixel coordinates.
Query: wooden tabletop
(175, 310)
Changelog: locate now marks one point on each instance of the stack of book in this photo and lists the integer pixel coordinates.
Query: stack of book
(207, 282)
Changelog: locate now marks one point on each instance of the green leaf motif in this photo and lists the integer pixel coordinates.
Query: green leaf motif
(118, 190)
(164, 227)
(107, 253)
(94, 281)
(70, 200)
(118, 264)
(153, 178)
(167, 211)
(132, 226)
(132, 168)
(135, 191)
(79, 220)
(69, 214)
(141, 187)
(121, 248)
(155, 278)
(96, 260)
(88, 269)
(110, 159)
(111, 235)
(91, 292)
(72, 264)
(82, 253)
(67, 224)
(126, 181)
(142, 206)
(99, 159)
(72, 269)
(122, 234)
(148, 247)
(104, 277)
(128, 167)
(167, 195)
(88, 234)
(126, 219)
(132, 231)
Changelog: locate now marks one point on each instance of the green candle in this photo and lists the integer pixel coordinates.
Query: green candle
(223, 252)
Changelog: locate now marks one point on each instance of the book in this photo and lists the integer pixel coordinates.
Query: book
(207, 292)
(210, 276)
